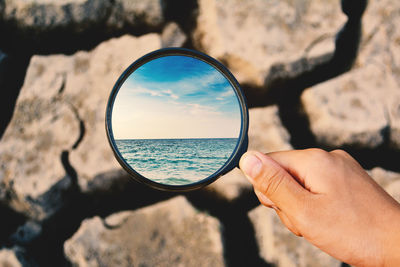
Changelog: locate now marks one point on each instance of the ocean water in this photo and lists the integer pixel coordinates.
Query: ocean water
(176, 161)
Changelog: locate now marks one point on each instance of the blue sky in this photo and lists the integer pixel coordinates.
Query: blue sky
(176, 97)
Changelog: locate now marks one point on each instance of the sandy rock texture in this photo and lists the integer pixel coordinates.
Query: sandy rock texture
(279, 246)
(170, 233)
(90, 94)
(81, 15)
(67, 201)
(8, 258)
(172, 36)
(252, 36)
(266, 132)
(56, 136)
(361, 107)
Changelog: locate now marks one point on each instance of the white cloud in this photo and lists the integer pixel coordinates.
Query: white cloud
(139, 90)
(228, 92)
(201, 111)
(200, 83)
(182, 109)
(170, 94)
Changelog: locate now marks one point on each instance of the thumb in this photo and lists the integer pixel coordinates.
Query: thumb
(272, 180)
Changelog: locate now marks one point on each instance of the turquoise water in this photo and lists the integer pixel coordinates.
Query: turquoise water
(176, 161)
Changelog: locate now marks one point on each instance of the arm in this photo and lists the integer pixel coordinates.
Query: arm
(328, 198)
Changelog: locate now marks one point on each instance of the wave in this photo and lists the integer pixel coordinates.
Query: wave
(176, 161)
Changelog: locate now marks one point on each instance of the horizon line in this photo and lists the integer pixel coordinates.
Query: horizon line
(176, 138)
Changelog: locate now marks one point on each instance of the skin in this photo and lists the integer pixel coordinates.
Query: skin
(328, 198)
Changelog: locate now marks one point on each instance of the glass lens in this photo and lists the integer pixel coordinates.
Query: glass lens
(176, 120)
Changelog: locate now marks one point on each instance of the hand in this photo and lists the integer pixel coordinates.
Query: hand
(329, 199)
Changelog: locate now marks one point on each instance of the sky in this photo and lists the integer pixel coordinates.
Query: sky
(176, 97)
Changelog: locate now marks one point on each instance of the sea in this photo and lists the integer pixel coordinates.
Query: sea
(176, 161)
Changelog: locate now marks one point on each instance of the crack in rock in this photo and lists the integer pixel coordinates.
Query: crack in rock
(276, 30)
(93, 185)
(69, 169)
(69, 26)
(158, 234)
(237, 228)
(286, 81)
(353, 111)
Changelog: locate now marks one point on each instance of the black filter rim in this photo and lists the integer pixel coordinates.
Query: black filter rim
(241, 146)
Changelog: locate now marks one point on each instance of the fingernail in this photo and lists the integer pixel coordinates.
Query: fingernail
(250, 165)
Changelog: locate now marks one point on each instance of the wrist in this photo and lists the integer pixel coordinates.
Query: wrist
(391, 240)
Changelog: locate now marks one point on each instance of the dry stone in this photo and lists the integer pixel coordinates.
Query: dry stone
(89, 88)
(136, 13)
(266, 134)
(170, 233)
(230, 186)
(172, 35)
(8, 258)
(362, 107)
(280, 246)
(61, 107)
(43, 126)
(81, 15)
(251, 36)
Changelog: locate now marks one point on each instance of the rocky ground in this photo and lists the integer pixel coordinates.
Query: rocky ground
(315, 75)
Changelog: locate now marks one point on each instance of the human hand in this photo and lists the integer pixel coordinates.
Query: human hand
(329, 199)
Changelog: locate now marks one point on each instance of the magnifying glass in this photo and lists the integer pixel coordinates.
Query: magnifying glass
(177, 120)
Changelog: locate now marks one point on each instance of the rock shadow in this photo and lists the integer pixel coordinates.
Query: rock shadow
(286, 82)
(240, 245)
(12, 74)
(106, 194)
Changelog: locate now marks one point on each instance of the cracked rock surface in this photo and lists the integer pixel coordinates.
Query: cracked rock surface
(90, 93)
(58, 123)
(251, 36)
(67, 201)
(43, 126)
(172, 36)
(49, 25)
(278, 245)
(163, 234)
(362, 107)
